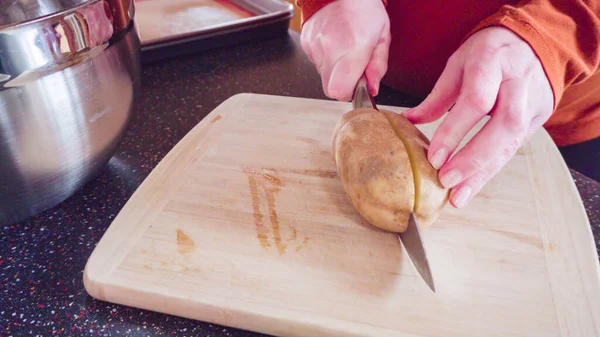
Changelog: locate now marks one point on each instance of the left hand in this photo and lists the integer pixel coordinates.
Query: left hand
(493, 72)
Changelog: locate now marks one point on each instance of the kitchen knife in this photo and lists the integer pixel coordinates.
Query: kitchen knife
(411, 237)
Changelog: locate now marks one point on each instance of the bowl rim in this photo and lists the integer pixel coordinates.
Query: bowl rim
(49, 17)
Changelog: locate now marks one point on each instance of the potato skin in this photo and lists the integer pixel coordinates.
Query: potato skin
(375, 170)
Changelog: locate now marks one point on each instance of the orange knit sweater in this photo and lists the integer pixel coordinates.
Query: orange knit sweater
(564, 34)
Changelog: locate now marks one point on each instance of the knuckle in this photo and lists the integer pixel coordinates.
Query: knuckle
(306, 48)
(385, 38)
(478, 180)
(449, 134)
(514, 120)
(513, 68)
(478, 69)
(477, 164)
(304, 41)
(327, 45)
(486, 51)
(361, 43)
(477, 100)
(453, 60)
(322, 71)
(511, 148)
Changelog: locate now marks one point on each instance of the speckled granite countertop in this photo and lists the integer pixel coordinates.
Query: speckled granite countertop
(42, 260)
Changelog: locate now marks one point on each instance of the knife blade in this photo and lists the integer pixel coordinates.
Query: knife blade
(362, 98)
(411, 237)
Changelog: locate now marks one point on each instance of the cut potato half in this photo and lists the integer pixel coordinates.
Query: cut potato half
(377, 154)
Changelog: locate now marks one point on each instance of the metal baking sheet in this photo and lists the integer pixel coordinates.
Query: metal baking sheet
(164, 32)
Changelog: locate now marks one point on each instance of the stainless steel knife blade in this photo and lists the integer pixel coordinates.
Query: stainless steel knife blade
(411, 238)
(362, 98)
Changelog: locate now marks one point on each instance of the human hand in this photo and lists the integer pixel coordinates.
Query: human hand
(494, 72)
(345, 39)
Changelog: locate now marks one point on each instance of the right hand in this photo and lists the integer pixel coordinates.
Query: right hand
(345, 39)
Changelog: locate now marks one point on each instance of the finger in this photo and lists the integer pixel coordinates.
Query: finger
(305, 44)
(309, 41)
(503, 133)
(378, 64)
(325, 58)
(345, 73)
(316, 51)
(464, 192)
(312, 46)
(449, 134)
(443, 94)
(481, 83)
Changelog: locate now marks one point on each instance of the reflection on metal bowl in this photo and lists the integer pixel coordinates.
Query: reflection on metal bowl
(69, 81)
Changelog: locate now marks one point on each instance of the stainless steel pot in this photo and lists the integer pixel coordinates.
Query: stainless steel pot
(69, 80)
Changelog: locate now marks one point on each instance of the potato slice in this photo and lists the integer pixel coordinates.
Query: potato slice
(376, 169)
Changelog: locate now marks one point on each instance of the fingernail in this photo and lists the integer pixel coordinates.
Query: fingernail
(438, 158)
(461, 196)
(451, 178)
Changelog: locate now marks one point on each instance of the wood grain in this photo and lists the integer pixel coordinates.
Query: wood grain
(245, 223)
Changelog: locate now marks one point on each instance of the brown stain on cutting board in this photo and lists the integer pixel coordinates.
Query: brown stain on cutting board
(319, 173)
(304, 242)
(185, 244)
(294, 234)
(521, 238)
(269, 182)
(308, 140)
(261, 233)
(216, 119)
(271, 192)
(313, 173)
(272, 179)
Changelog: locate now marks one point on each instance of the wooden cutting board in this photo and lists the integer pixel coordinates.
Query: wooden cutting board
(245, 223)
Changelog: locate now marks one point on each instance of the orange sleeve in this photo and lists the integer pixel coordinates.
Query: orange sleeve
(310, 7)
(565, 35)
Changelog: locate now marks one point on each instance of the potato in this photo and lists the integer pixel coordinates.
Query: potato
(376, 169)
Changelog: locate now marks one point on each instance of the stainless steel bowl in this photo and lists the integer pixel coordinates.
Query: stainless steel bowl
(69, 80)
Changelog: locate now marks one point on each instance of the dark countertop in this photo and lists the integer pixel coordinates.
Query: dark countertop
(42, 259)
